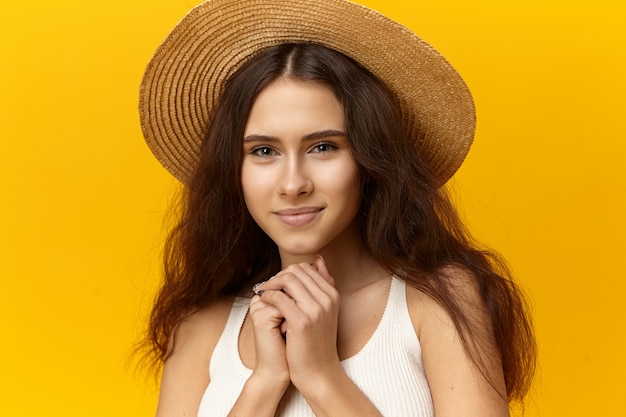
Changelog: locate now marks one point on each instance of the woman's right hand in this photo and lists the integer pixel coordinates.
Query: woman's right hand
(264, 389)
(271, 360)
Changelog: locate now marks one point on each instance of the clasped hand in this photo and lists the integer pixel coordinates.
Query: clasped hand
(294, 316)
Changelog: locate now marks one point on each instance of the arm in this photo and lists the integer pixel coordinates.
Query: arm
(258, 398)
(335, 394)
(186, 370)
(457, 385)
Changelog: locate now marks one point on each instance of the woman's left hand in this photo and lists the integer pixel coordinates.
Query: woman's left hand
(305, 295)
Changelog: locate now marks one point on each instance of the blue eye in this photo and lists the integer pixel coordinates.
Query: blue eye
(262, 151)
(324, 147)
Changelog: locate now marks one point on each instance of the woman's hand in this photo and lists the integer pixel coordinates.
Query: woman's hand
(306, 297)
(271, 361)
(263, 391)
(304, 294)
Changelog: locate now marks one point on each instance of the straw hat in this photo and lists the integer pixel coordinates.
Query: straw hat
(186, 75)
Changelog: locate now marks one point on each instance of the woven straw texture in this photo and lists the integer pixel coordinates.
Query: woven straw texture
(186, 75)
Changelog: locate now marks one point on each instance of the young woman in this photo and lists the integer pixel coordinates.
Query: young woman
(318, 267)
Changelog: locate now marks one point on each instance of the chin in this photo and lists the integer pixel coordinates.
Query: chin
(299, 250)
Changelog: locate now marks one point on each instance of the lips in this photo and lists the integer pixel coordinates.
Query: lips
(298, 216)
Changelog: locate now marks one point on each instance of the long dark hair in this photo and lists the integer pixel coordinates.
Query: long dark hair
(408, 224)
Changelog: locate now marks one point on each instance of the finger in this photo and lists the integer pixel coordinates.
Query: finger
(319, 281)
(325, 294)
(302, 282)
(320, 264)
(285, 305)
(297, 294)
(263, 314)
(315, 320)
(296, 284)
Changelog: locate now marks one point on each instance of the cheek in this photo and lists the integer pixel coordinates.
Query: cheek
(255, 184)
(248, 183)
(349, 188)
(350, 172)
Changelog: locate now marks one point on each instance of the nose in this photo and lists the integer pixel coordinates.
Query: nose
(295, 180)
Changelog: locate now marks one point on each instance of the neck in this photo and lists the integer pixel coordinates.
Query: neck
(351, 267)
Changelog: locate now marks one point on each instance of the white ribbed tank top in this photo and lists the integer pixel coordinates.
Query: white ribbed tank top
(388, 369)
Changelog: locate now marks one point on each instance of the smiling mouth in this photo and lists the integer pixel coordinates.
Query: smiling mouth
(298, 216)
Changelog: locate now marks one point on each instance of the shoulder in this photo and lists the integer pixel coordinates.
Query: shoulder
(203, 327)
(455, 303)
(195, 338)
(427, 313)
(186, 369)
(462, 366)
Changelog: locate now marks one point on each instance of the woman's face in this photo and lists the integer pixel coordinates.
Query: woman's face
(300, 181)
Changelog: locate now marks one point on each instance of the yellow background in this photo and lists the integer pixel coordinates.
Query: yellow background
(82, 199)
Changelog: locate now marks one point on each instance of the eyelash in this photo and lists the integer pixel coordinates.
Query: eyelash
(257, 150)
(331, 146)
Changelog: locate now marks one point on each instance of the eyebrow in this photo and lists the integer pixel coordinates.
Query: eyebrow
(311, 136)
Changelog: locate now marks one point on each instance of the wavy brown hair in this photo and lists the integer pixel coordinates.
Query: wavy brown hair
(408, 223)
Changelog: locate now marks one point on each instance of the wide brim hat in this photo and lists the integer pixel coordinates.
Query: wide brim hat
(185, 78)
